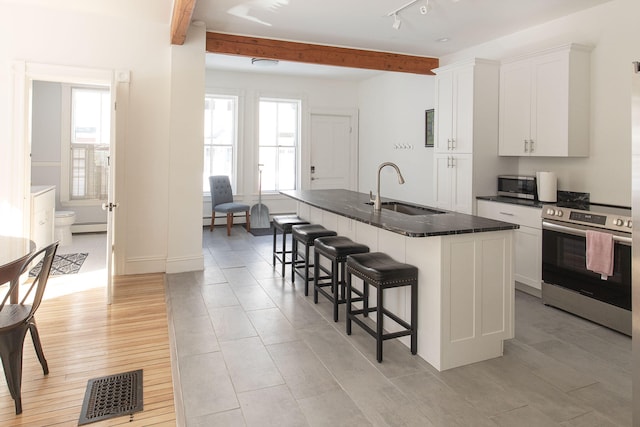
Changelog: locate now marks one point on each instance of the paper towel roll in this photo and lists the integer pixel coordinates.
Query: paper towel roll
(547, 186)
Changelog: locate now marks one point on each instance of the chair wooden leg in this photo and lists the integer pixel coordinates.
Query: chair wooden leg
(229, 223)
(213, 218)
(248, 222)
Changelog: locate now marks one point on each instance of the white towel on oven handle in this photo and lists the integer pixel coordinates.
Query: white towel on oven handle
(600, 253)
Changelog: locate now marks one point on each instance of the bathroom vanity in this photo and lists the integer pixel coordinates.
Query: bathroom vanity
(43, 212)
(465, 269)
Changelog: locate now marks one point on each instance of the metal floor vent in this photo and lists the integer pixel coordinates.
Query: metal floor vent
(112, 396)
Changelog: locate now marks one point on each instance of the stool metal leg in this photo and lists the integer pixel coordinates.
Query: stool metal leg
(284, 251)
(334, 287)
(379, 325)
(348, 303)
(273, 259)
(414, 317)
(316, 274)
(306, 270)
(294, 259)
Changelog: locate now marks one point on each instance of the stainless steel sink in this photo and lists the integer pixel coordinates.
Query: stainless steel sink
(409, 209)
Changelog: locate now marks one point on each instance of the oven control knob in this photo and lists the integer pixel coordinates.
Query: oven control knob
(618, 222)
(551, 211)
(559, 213)
(628, 223)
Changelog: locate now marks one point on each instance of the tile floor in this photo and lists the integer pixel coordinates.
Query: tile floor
(92, 273)
(252, 350)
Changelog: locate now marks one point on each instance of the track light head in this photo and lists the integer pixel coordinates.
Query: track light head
(396, 22)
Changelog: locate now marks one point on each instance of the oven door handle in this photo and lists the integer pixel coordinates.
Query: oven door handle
(580, 232)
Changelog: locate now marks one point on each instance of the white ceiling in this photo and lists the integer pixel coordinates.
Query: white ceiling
(366, 24)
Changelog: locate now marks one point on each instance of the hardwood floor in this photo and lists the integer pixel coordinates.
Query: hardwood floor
(84, 338)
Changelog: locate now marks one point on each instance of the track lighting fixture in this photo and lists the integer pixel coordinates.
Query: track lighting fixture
(424, 9)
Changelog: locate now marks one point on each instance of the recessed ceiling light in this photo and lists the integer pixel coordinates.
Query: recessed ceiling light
(443, 39)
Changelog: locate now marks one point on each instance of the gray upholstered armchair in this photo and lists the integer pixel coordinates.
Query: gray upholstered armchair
(222, 202)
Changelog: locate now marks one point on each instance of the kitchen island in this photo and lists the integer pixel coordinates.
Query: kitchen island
(465, 269)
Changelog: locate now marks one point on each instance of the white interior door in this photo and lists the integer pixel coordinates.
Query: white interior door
(333, 162)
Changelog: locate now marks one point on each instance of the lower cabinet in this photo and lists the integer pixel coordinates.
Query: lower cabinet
(453, 182)
(43, 213)
(528, 238)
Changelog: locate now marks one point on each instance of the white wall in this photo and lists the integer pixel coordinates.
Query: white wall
(316, 93)
(613, 30)
(114, 35)
(392, 111)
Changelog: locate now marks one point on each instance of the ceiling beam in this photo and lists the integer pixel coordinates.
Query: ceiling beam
(318, 54)
(181, 19)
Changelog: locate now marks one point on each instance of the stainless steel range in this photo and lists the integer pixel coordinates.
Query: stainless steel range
(567, 283)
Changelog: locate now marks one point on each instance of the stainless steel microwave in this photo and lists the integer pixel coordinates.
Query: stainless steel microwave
(521, 187)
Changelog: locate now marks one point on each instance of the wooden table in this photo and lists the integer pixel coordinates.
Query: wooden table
(14, 251)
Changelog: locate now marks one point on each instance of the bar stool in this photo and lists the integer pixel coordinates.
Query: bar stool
(383, 272)
(284, 224)
(305, 234)
(335, 249)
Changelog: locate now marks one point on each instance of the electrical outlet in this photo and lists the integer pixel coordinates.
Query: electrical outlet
(423, 9)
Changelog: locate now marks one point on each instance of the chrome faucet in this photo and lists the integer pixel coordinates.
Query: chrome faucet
(377, 204)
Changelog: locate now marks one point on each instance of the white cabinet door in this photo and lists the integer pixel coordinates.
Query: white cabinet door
(462, 136)
(528, 256)
(528, 238)
(444, 111)
(515, 109)
(544, 104)
(453, 182)
(43, 213)
(454, 111)
(462, 191)
(549, 105)
(443, 181)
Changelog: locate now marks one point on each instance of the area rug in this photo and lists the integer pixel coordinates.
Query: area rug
(262, 231)
(112, 396)
(62, 264)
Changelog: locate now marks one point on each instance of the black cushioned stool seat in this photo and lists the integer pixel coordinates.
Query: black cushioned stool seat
(336, 249)
(383, 272)
(283, 224)
(305, 234)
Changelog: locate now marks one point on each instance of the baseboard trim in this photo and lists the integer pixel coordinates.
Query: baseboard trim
(182, 264)
(89, 228)
(144, 265)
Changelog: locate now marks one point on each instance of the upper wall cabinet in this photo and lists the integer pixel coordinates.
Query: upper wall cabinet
(466, 159)
(454, 115)
(544, 103)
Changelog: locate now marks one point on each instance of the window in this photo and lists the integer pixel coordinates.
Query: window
(279, 135)
(90, 134)
(220, 138)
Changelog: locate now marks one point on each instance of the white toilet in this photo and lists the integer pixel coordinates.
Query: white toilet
(63, 222)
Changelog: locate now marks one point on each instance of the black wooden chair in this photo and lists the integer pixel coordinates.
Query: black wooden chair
(17, 319)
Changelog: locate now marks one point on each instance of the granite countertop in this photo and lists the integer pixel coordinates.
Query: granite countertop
(354, 205)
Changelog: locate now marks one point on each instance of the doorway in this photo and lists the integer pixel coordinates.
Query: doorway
(27, 79)
(333, 151)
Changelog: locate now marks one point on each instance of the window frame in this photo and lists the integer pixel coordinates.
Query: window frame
(66, 117)
(237, 169)
(299, 100)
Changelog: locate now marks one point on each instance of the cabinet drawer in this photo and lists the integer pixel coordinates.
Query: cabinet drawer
(521, 215)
